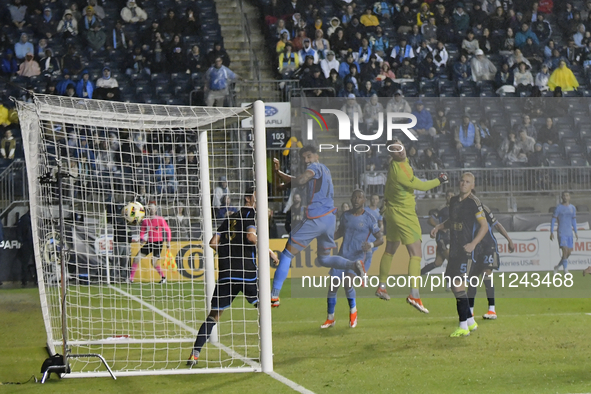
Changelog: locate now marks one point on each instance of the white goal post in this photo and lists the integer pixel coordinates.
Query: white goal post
(144, 321)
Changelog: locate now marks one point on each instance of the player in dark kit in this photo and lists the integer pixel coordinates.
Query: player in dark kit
(235, 244)
(487, 259)
(442, 239)
(466, 215)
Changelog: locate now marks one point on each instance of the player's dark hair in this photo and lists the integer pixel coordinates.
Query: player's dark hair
(249, 192)
(308, 148)
(358, 190)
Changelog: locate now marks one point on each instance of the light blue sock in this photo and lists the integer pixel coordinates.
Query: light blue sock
(331, 302)
(281, 272)
(351, 294)
(337, 262)
(564, 263)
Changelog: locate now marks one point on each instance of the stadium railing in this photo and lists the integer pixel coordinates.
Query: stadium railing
(268, 90)
(13, 184)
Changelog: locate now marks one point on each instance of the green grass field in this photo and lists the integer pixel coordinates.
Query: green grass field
(538, 345)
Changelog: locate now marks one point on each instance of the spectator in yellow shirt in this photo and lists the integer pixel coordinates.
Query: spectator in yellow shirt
(369, 19)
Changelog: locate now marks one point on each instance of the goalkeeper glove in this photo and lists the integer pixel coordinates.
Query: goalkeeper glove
(443, 178)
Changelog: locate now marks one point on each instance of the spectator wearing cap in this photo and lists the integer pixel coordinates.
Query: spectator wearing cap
(220, 191)
(482, 68)
(49, 64)
(329, 63)
(46, 26)
(525, 33)
(424, 124)
(92, 30)
(30, 67)
(18, 13)
(307, 50)
(289, 61)
(401, 51)
(84, 88)
(379, 42)
(344, 67)
(107, 87)
(131, 13)
(466, 134)
(68, 26)
(348, 90)
(22, 47)
(217, 80)
(8, 64)
(218, 51)
(305, 67)
(98, 10)
(316, 81)
(460, 19)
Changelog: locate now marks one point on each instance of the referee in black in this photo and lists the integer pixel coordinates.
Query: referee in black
(468, 226)
(235, 243)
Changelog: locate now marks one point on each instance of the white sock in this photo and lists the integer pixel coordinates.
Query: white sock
(472, 311)
(414, 293)
(353, 310)
(491, 308)
(470, 321)
(330, 316)
(464, 325)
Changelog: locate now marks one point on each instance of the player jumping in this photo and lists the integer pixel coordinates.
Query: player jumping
(235, 243)
(465, 216)
(442, 240)
(402, 223)
(567, 223)
(487, 259)
(151, 241)
(356, 227)
(319, 222)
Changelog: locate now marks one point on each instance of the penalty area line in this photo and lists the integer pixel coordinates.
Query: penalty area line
(282, 379)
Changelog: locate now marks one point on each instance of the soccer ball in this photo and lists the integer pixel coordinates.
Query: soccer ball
(134, 213)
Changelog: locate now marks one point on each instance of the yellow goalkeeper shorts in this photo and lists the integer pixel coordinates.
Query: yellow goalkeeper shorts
(402, 225)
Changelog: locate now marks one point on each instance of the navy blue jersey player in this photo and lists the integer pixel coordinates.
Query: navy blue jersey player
(442, 238)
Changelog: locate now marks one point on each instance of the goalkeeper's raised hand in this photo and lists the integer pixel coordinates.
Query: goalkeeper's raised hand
(443, 178)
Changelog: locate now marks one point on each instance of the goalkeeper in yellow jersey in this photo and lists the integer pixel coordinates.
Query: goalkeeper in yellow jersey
(402, 223)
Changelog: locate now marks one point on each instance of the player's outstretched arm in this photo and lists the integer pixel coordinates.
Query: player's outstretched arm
(411, 181)
(501, 229)
(437, 228)
(284, 177)
(214, 242)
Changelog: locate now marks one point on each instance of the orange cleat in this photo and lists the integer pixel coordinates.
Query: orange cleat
(329, 323)
(353, 319)
(490, 315)
(417, 303)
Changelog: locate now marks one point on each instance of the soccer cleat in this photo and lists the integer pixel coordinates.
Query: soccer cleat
(359, 268)
(473, 327)
(417, 303)
(587, 271)
(193, 359)
(556, 268)
(460, 332)
(353, 319)
(275, 302)
(162, 281)
(382, 293)
(329, 323)
(490, 315)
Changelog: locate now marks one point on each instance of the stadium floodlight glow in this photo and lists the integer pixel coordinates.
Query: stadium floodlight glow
(110, 154)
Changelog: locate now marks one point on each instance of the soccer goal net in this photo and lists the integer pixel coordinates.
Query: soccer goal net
(141, 309)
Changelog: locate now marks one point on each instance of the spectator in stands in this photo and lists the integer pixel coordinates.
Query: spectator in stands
(429, 31)
(369, 19)
(315, 80)
(305, 67)
(385, 73)
(320, 44)
(367, 90)
(406, 70)
(542, 29)
(482, 68)
(47, 25)
(461, 20)
(531, 52)
(334, 82)
(8, 64)
(280, 30)
(424, 124)
(470, 45)
(498, 21)
(348, 89)
(171, 24)
(23, 47)
(217, 80)
(415, 37)
(70, 90)
(528, 127)
(486, 42)
(330, 63)
(175, 56)
(107, 87)
(99, 11)
(538, 159)
(50, 66)
(570, 52)
(400, 52)
(422, 51)
(117, 38)
(307, 50)
(289, 61)
(548, 135)
(526, 142)
(524, 34)
(196, 61)
(338, 42)
(462, 70)
(165, 176)
(507, 45)
(7, 146)
(18, 14)
(71, 61)
(563, 77)
(68, 26)
(190, 23)
(542, 78)
(405, 20)
(85, 88)
(281, 43)
(424, 14)
(131, 13)
(510, 150)
(398, 103)
(218, 52)
(345, 67)
(440, 122)
(92, 30)
(427, 70)
(379, 42)
(522, 78)
(516, 58)
(388, 88)
(467, 134)
(352, 107)
(180, 225)
(63, 84)
(440, 57)
(372, 111)
(137, 62)
(29, 68)
(371, 69)
(220, 191)
(4, 116)
(430, 161)
(296, 212)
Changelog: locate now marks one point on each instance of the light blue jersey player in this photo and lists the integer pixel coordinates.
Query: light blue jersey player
(319, 222)
(567, 223)
(357, 227)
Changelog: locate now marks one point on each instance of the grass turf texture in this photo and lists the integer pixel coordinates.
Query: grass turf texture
(536, 345)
